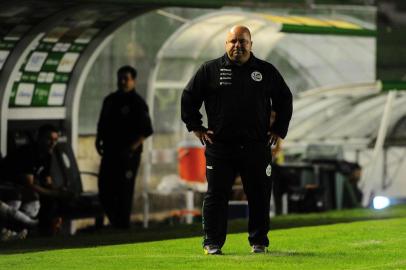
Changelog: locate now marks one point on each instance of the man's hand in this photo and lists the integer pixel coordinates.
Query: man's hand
(99, 146)
(45, 191)
(273, 138)
(204, 136)
(137, 144)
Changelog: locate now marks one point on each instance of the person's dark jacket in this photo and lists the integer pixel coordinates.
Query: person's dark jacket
(123, 120)
(238, 100)
(26, 160)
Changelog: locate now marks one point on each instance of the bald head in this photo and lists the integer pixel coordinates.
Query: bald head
(238, 30)
(238, 44)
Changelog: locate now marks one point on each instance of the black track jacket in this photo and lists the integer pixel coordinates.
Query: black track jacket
(238, 100)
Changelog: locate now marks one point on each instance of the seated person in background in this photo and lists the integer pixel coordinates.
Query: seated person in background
(28, 168)
(14, 223)
(281, 178)
(14, 219)
(352, 197)
(237, 193)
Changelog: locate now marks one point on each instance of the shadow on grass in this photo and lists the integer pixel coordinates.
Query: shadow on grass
(277, 253)
(281, 253)
(164, 232)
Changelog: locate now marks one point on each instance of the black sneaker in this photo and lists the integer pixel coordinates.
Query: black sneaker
(259, 249)
(212, 250)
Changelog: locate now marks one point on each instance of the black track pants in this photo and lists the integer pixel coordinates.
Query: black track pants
(223, 163)
(116, 187)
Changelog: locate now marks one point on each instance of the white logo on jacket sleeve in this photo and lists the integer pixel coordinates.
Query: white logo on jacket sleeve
(256, 76)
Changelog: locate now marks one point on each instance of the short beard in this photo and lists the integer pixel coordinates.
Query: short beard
(238, 58)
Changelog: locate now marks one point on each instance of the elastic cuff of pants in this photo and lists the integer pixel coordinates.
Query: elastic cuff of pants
(267, 245)
(261, 243)
(205, 243)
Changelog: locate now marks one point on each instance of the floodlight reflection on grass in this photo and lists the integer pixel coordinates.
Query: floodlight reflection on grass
(381, 202)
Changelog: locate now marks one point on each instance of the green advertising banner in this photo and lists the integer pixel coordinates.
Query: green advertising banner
(44, 76)
(16, 20)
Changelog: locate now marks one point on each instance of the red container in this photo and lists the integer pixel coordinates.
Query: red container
(192, 162)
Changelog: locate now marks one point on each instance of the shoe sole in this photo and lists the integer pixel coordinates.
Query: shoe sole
(257, 251)
(206, 252)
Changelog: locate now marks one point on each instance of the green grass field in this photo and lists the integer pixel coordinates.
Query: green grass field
(372, 244)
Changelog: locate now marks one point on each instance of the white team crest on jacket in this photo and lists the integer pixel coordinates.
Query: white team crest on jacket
(256, 76)
(268, 170)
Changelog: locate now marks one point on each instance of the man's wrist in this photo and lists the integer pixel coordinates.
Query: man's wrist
(273, 132)
(199, 129)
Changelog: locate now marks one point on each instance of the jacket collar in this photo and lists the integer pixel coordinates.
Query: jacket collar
(252, 61)
(122, 92)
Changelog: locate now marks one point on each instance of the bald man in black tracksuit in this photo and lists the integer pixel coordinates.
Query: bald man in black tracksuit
(239, 95)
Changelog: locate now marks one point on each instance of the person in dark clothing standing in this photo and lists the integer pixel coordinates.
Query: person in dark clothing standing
(239, 92)
(123, 125)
